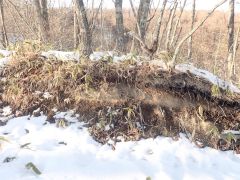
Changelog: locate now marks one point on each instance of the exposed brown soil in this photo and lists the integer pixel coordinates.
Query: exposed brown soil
(128, 100)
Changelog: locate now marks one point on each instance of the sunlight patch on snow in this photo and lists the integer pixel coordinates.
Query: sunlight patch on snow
(71, 153)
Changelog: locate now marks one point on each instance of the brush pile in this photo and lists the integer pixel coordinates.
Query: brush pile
(122, 100)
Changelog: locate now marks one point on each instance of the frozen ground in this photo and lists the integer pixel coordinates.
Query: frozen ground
(71, 154)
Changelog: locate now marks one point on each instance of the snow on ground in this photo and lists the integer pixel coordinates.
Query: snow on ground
(70, 153)
(5, 56)
(62, 55)
(5, 53)
(208, 76)
(4, 61)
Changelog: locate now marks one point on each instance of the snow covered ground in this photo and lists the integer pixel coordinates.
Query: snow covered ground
(71, 154)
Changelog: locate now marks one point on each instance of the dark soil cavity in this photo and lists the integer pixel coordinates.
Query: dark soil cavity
(122, 100)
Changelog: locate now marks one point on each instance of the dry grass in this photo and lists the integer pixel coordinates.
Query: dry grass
(134, 102)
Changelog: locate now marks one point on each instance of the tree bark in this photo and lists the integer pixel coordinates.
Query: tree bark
(43, 21)
(119, 26)
(174, 34)
(142, 17)
(192, 25)
(230, 37)
(170, 25)
(155, 42)
(76, 30)
(4, 31)
(86, 33)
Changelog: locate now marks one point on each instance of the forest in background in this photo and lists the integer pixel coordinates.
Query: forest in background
(63, 30)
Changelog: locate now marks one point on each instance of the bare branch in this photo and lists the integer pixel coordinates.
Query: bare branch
(170, 25)
(177, 23)
(192, 24)
(177, 50)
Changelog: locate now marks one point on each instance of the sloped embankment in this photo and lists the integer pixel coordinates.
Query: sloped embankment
(122, 99)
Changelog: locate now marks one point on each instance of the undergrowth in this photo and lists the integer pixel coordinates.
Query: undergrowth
(119, 99)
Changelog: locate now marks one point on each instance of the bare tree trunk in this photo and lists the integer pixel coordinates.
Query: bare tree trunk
(235, 48)
(230, 37)
(119, 26)
(142, 17)
(76, 30)
(170, 25)
(102, 30)
(4, 32)
(155, 43)
(86, 36)
(174, 34)
(192, 25)
(42, 16)
(163, 34)
(45, 16)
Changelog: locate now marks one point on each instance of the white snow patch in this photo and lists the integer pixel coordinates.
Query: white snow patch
(6, 56)
(5, 53)
(208, 76)
(4, 61)
(47, 95)
(61, 55)
(96, 56)
(71, 153)
(231, 131)
(7, 111)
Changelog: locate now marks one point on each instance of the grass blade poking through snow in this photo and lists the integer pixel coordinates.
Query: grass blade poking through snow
(3, 139)
(31, 166)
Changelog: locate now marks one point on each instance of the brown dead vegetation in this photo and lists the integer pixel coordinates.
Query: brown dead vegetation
(121, 99)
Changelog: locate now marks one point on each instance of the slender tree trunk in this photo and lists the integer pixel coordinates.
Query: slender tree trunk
(76, 30)
(43, 21)
(86, 33)
(142, 17)
(170, 26)
(119, 26)
(174, 34)
(235, 48)
(155, 43)
(192, 25)
(4, 31)
(45, 15)
(163, 34)
(230, 37)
